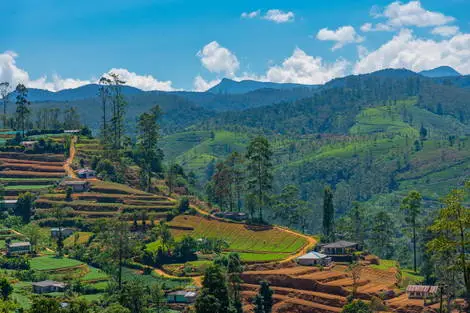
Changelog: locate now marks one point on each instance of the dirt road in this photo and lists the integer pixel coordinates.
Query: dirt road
(68, 163)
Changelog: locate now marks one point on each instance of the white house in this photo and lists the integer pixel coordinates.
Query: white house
(314, 258)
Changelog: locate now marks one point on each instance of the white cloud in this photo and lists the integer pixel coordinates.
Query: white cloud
(305, 69)
(250, 15)
(407, 51)
(279, 16)
(379, 27)
(218, 59)
(342, 36)
(200, 84)
(445, 31)
(143, 82)
(11, 73)
(413, 14)
(399, 15)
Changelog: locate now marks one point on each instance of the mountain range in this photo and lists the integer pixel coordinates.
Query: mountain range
(232, 87)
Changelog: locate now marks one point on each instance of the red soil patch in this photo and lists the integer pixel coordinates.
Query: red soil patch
(30, 174)
(30, 167)
(31, 162)
(33, 157)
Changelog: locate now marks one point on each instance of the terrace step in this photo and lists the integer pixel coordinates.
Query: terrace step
(318, 297)
(45, 157)
(59, 163)
(300, 305)
(31, 174)
(30, 167)
(325, 276)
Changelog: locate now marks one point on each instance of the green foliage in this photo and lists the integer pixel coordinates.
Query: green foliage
(328, 214)
(24, 206)
(356, 307)
(214, 292)
(5, 289)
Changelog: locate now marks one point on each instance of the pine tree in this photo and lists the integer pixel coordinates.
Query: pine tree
(148, 144)
(214, 297)
(22, 106)
(260, 172)
(259, 307)
(328, 214)
(411, 206)
(4, 94)
(267, 295)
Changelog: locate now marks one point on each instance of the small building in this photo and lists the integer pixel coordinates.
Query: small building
(72, 131)
(181, 296)
(76, 185)
(66, 232)
(47, 286)
(17, 248)
(8, 204)
(236, 216)
(421, 291)
(340, 248)
(86, 173)
(29, 145)
(314, 258)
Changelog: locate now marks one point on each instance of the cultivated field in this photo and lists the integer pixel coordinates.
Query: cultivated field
(253, 243)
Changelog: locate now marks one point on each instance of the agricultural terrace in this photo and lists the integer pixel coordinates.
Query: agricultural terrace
(105, 199)
(21, 172)
(253, 243)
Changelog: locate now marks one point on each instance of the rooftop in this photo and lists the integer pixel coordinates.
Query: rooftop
(340, 244)
(75, 182)
(183, 293)
(47, 283)
(422, 288)
(19, 244)
(312, 256)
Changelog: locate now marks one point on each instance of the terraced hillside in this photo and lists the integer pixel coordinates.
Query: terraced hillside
(254, 244)
(21, 172)
(106, 199)
(310, 289)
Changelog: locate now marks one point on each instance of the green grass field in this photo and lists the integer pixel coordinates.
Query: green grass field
(262, 245)
(51, 263)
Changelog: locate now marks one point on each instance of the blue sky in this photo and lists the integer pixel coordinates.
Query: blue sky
(62, 44)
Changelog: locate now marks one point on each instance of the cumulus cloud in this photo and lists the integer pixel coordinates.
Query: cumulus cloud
(250, 15)
(411, 14)
(379, 27)
(11, 73)
(200, 84)
(143, 82)
(218, 59)
(305, 69)
(273, 15)
(342, 36)
(445, 31)
(405, 50)
(278, 16)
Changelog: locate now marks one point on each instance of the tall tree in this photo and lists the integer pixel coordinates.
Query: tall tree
(236, 163)
(214, 287)
(382, 232)
(223, 185)
(118, 110)
(24, 206)
(22, 106)
(147, 144)
(357, 219)
(59, 218)
(260, 171)
(411, 207)
(452, 228)
(267, 294)
(4, 94)
(328, 214)
(288, 208)
(71, 118)
(104, 93)
(118, 245)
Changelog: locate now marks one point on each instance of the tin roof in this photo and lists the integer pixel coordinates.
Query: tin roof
(312, 256)
(422, 288)
(340, 244)
(47, 283)
(19, 244)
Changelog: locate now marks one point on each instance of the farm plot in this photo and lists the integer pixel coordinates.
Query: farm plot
(107, 200)
(52, 263)
(22, 172)
(266, 244)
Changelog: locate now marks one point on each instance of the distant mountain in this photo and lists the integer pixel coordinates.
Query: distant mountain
(80, 93)
(228, 86)
(386, 74)
(442, 71)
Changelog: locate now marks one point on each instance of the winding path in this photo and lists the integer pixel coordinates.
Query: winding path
(68, 163)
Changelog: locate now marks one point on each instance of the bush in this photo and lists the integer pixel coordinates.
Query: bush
(15, 263)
